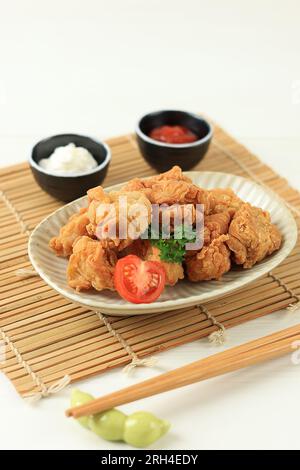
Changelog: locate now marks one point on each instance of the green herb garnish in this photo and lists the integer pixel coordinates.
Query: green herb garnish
(172, 246)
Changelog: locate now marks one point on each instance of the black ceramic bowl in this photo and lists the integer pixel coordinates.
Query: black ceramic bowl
(69, 187)
(162, 156)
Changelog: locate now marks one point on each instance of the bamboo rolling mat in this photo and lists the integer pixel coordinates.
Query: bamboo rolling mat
(47, 336)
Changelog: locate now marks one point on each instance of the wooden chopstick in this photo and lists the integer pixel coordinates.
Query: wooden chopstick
(251, 353)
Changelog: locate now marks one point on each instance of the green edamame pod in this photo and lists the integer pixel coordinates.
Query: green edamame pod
(109, 425)
(143, 428)
(140, 429)
(80, 398)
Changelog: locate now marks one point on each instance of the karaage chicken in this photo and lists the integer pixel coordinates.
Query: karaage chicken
(220, 200)
(130, 211)
(74, 228)
(211, 262)
(252, 236)
(137, 184)
(216, 225)
(170, 188)
(91, 265)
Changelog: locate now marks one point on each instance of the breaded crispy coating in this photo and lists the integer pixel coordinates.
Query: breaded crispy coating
(130, 211)
(74, 228)
(220, 200)
(211, 262)
(176, 192)
(172, 187)
(91, 265)
(216, 225)
(252, 236)
(174, 174)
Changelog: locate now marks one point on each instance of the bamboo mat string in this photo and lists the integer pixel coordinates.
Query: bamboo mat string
(18, 216)
(217, 337)
(135, 360)
(293, 305)
(26, 273)
(252, 174)
(38, 382)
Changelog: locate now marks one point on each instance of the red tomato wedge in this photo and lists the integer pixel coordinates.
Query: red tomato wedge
(138, 281)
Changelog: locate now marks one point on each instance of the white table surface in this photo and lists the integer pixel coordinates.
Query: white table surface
(93, 67)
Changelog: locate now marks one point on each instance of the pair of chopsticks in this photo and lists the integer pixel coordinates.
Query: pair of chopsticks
(248, 354)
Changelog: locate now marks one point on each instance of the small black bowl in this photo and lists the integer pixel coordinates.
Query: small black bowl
(162, 156)
(69, 187)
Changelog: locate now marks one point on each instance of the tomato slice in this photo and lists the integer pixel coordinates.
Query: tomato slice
(139, 281)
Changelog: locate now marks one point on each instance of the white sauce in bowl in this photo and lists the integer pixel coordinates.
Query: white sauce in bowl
(69, 159)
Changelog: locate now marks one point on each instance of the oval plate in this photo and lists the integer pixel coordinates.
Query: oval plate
(53, 269)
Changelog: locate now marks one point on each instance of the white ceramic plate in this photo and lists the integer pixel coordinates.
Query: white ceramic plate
(53, 269)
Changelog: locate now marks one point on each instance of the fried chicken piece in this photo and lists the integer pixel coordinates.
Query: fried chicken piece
(178, 192)
(175, 173)
(74, 228)
(138, 247)
(252, 236)
(174, 271)
(96, 196)
(211, 262)
(171, 187)
(175, 215)
(216, 225)
(91, 265)
(111, 213)
(174, 192)
(174, 187)
(220, 200)
(137, 184)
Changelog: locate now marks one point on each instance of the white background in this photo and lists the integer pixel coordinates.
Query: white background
(93, 67)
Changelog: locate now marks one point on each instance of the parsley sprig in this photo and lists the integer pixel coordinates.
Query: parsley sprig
(172, 246)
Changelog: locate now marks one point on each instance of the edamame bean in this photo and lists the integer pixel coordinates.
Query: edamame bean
(139, 429)
(143, 428)
(109, 425)
(80, 398)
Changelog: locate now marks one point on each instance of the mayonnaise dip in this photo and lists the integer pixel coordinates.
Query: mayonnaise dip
(69, 159)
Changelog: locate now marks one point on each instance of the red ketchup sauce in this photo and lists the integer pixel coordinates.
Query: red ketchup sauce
(173, 134)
